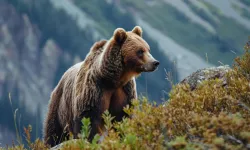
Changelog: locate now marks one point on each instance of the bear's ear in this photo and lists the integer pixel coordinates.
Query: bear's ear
(137, 30)
(120, 35)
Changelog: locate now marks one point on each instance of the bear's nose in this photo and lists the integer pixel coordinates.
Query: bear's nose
(156, 63)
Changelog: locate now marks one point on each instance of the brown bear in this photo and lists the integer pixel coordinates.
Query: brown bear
(105, 80)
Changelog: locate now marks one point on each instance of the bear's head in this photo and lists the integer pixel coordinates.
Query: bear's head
(135, 50)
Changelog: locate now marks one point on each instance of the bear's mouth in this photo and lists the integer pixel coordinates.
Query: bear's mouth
(148, 68)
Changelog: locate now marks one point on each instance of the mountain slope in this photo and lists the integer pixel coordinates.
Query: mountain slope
(221, 35)
(27, 69)
(39, 40)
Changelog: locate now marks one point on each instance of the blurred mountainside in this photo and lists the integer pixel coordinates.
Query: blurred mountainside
(40, 40)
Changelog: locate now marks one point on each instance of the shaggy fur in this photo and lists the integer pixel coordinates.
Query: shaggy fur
(105, 80)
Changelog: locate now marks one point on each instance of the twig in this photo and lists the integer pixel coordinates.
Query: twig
(232, 138)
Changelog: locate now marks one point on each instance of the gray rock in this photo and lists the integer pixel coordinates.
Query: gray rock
(206, 74)
(63, 144)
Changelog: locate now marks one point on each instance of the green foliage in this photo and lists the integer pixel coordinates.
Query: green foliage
(85, 128)
(242, 63)
(107, 120)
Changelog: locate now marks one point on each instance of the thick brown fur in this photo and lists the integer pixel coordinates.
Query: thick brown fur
(105, 80)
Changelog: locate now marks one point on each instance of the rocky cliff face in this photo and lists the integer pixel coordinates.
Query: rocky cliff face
(27, 68)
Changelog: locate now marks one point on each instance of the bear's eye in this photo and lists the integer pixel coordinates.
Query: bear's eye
(140, 52)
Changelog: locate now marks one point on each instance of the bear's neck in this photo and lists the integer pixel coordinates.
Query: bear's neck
(111, 69)
(126, 77)
(116, 82)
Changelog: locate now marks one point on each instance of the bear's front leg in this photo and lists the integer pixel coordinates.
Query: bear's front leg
(77, 127)
(97, 127)
(97, 124)
(77, 123)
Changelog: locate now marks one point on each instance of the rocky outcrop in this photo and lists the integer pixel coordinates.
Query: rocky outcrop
(206, 74)
(71, 144)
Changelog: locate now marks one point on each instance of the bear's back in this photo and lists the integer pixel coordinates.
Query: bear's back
(67, 80)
